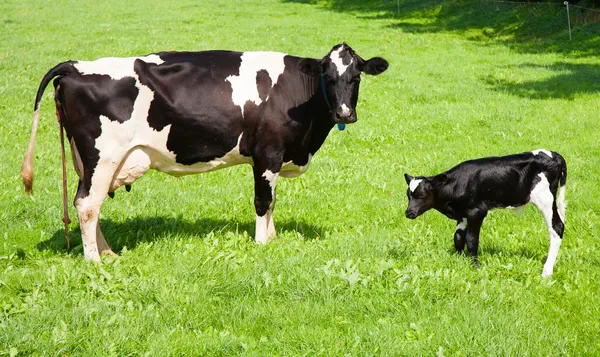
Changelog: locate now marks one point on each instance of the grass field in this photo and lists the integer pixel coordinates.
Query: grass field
(347, 273)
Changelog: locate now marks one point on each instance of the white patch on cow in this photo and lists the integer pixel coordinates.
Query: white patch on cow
(547, 152)
(114, 67)
(462, 225)
(414, 183)
(543, 199)
(244, 85)
(336, 58)
(541, 196)
(289, 169)
(261, 235)
(561, 204)
(555, 242)
(345, 109)
(272, 179)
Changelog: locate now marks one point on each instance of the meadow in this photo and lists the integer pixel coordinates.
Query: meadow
(347, 274)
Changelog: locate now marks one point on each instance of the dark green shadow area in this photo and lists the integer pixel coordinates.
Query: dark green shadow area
(532, 27)
(132, 232)
(570, 81)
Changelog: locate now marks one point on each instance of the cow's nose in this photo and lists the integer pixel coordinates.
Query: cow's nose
(345, 114)
(410, 214)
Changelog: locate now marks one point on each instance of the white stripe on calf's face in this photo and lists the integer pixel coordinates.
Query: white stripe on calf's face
(414, 183)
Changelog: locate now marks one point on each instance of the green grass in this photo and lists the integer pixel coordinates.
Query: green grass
(347, 274)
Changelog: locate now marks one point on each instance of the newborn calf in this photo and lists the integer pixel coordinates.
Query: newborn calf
(469, 190)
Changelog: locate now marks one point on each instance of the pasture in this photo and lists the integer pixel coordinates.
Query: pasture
(347, 274)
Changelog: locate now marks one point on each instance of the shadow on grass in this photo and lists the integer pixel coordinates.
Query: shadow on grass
(532, 27)
(570, 80)
(132, 232)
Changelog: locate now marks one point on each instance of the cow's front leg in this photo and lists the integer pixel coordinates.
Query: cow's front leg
(459, 235)
(472, 237)
(265, 180)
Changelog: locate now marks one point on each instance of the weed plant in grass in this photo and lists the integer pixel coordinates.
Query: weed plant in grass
(347, 273)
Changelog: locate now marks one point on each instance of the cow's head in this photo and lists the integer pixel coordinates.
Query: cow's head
(421, 193)
(340, 71)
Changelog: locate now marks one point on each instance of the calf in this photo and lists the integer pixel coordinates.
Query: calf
(469, 190)
(190, 112)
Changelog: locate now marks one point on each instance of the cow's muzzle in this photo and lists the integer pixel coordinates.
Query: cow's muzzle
(411, 214)
(344, 115)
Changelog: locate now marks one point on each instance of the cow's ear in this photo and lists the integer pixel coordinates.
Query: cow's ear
(439, 180)
(375, 66)
(311, 67)
(408, 178)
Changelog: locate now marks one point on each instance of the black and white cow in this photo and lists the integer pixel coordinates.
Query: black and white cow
(191, 112)
(469, 190)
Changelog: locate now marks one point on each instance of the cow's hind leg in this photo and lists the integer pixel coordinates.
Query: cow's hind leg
(103, 246)
(91, 194)
(544, 197)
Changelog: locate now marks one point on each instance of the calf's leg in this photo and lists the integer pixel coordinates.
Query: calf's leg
(544, 197)
(459, 235)
(472, 237)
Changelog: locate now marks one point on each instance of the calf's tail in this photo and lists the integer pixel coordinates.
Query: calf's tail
(27, 167)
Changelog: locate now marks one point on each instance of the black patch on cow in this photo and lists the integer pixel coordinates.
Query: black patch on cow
(263, 84)
(192, 95)
(112, 98)
(76, 100)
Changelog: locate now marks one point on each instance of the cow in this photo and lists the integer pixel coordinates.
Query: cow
(192, 112)
(469, 190)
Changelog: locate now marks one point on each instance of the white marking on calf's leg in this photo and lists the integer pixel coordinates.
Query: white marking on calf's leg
(542, 197)
(462, 225)
(561, 203)
(414, 183)
(555, 242)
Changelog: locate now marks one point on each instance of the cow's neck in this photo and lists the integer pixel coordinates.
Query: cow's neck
(442, 202)
(315, 117)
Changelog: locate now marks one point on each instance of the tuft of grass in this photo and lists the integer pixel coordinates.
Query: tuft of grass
(347, 273)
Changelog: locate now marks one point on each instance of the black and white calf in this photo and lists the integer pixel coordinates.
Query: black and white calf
(469, 190)
(191, 112)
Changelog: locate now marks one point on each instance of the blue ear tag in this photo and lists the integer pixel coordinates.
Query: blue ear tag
(341, 127)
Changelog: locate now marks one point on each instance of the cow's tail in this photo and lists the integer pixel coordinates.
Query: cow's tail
(27, 167)
(561, 203)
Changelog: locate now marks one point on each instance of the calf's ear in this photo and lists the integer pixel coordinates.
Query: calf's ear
(408, 178)
(375, 66)
(311, 67)
(439, 180)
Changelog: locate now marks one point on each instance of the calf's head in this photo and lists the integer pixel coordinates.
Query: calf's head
(421, 193)
(340, 71)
